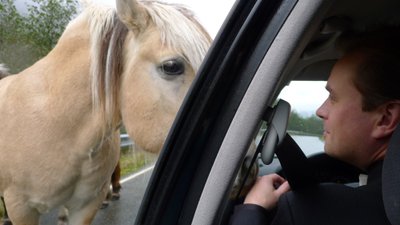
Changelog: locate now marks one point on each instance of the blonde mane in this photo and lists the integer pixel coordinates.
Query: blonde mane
(178, 28)
(175, 22)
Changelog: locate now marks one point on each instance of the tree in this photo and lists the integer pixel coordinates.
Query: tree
(24, 39)
(46, 21)
(10, 22)
(310, 125)
(298, 124)
(13, 53)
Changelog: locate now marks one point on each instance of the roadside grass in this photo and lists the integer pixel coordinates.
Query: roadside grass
(1, 211)
(132, 160)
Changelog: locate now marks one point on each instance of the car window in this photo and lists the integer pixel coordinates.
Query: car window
(304, 125)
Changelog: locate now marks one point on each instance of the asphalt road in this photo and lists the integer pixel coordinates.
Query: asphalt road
(122, 211)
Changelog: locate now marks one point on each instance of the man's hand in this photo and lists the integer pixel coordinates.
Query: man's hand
(267, 190)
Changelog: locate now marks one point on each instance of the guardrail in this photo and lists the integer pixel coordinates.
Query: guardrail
(125, 140)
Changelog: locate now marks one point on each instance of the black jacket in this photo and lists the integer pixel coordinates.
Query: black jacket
(323, 204)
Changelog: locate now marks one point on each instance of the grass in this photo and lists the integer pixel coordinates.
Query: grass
(133, 160)
(1, 211)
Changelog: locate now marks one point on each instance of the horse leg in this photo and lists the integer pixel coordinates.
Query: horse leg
(113, 195)
(19, 211)
(5, 220)
(62, 216)
(116, 186)
(85, 215)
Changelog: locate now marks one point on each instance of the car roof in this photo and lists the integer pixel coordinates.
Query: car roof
(343, 16)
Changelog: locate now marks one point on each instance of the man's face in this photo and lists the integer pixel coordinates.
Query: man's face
(347, 129)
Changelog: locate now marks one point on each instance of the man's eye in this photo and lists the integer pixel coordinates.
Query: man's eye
(332, 97)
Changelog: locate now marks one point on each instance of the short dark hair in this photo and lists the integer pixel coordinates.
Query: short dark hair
(378, 74)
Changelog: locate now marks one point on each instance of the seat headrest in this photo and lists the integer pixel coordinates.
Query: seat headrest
(391, 179)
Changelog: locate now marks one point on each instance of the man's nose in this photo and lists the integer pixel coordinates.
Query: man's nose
(322, 111)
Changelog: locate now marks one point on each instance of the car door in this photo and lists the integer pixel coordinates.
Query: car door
(261, 48)
(238, 80)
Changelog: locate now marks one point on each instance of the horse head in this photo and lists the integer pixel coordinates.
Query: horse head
(161, 50)
(164, 49)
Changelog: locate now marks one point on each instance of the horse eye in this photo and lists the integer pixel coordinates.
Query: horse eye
(173, 67)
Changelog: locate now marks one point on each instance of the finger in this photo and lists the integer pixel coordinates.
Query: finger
(271, 178)
(277, 178)
(283, 188)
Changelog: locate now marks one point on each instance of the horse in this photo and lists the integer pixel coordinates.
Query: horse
(59, 117)
(113, 192)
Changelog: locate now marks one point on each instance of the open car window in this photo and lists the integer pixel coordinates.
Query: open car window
(304, 125)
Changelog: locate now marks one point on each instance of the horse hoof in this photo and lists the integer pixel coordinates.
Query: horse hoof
(104, 204)
(62, 220)
(115, 196)
(6, 222)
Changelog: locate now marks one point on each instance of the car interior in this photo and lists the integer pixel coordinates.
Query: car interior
(261, 48)
(391, 179)
(309, 33)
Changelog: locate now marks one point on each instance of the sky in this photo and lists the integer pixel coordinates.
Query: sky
(305, 97)
(210, 13)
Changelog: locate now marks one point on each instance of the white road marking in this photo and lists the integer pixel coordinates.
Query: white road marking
(133, 176)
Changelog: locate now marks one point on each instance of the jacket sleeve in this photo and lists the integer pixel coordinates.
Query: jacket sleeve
(250, 214)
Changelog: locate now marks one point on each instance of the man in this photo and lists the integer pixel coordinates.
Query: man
(360, 115)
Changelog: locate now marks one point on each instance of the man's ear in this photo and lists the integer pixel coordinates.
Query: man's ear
(389, 117)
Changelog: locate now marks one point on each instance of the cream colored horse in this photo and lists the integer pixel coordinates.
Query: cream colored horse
(59, 117)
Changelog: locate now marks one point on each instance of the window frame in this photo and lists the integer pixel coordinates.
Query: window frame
(196, 136)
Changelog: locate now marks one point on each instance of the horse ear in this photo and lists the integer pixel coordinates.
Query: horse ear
(132, 14)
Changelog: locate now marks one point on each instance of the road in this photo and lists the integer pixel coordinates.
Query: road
(121, 212)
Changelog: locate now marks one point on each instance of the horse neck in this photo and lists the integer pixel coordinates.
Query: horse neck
(64, 76)
(67, 65)
(76, 39)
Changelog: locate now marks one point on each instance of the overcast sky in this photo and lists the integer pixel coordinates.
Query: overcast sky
(305, 97)
(211, 13)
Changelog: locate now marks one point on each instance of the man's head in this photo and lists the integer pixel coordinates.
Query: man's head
(363, 107)
(377, 75)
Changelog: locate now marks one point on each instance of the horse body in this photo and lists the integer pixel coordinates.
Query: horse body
(49, 136)
(60, 116)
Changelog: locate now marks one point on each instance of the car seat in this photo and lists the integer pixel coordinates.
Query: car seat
(391, 179)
